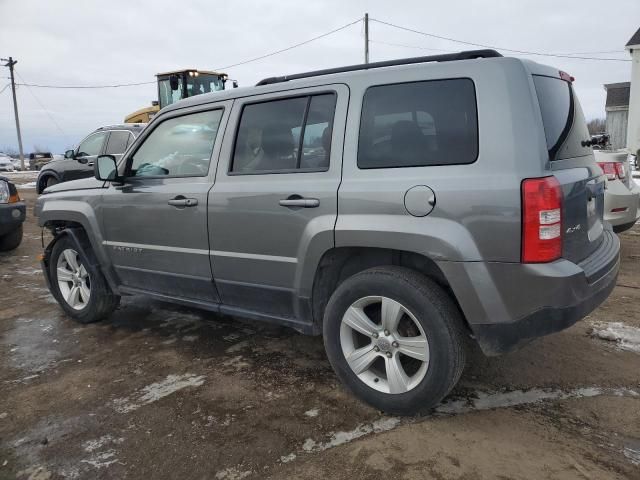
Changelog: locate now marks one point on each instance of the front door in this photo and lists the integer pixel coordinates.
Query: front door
(274, 203)
(155, 224)
(85, 156)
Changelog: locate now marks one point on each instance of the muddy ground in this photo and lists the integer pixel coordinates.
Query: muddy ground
(160, 391)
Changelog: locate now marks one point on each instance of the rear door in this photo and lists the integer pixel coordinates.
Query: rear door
(572, 162)
(274, 203)
(117, 143)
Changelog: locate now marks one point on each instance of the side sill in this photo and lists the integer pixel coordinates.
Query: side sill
(302, 327)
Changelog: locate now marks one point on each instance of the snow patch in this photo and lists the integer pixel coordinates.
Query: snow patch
(3, 415)
(340, 438)
(488, 401)
(102, 460)
(232, 473)
(312, 413)
(632, 454)
(26, 186)
(92, 445)
(626, 337)
(156, 391)
(288, 458)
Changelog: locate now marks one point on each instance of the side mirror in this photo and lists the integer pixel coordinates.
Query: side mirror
(69, 154)
(105, 168)
(174, 82)
(82, 159)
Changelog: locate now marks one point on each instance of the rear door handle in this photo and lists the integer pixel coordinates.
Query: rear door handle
(300, 202)
(183, 202)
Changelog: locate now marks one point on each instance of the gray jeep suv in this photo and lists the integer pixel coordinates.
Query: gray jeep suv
(397, 208)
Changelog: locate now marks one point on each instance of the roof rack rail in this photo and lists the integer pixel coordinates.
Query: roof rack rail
(448, 57)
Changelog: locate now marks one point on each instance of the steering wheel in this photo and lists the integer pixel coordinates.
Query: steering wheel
(193, 166)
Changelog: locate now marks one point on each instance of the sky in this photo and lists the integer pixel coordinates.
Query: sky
(74, 42)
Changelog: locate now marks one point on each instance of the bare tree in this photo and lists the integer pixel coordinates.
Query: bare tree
(597, 125)
(11, 151)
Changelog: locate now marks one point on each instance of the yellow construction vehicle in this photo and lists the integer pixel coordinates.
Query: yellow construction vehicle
(179, 84)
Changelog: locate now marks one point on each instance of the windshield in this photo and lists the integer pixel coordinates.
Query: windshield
(203, 83)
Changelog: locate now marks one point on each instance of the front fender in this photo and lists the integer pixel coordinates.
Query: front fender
(79, 214)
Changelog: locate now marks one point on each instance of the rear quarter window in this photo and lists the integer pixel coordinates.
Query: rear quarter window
(419, 124)
(564, 125)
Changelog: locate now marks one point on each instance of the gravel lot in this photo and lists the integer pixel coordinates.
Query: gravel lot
(160, 391)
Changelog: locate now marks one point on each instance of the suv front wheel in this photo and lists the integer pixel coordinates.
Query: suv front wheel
(82, 292)
(395, 338)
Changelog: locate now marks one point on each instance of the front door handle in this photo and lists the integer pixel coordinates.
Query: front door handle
(300, 202)
(183, 202)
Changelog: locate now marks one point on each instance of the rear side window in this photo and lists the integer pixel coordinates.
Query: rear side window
(117, 143)
(287, 135)
(419, 124)
(564, 126)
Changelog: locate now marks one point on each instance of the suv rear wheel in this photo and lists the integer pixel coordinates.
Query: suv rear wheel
(82, 292)
(395, 338)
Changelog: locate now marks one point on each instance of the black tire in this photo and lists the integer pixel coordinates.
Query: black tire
(102, 302)
(11, 240)
(433, 309)
(51, 180)
(623, 228)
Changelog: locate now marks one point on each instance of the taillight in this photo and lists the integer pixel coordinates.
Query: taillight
(620, 171)
(541, 220)
(613, 170)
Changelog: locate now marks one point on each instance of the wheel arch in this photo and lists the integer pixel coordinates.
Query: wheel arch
(42, 177)
(340, 263)
(76, 219)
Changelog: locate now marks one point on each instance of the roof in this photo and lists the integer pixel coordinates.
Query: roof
(206, 72)
(132, 127)
(334, 78)
(617, 94)
(634, 40)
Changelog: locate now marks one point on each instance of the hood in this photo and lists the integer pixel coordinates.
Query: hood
(82, 184)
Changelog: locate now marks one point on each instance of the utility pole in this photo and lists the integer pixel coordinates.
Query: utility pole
(10, 63)
(366, 38)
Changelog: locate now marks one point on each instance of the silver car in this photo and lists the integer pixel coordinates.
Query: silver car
(6, 165)
(622, 194)
(397, 208)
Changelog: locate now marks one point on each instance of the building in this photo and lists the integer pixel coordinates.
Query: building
(633, 128)
(617, 108)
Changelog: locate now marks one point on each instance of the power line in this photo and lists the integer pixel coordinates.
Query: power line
(44, 108)
(291, 47)
(5, 87)
(453, 51)
(524, 52)
(270, 54)
(37, 85)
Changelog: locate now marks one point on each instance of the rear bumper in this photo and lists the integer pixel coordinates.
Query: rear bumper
(508, 304)
(11, 216)
(625, 200)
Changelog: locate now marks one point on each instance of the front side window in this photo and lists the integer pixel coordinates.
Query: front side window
(419, 124)
(293, 134)
(179, 146)
(92, 145)
(117, 143)
(166, 94)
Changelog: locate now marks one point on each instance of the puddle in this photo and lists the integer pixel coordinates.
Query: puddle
(156, 391)
(32, 344)
(624, 336)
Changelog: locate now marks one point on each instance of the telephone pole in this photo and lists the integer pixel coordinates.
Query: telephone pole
(10, 63)
(366, 38)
